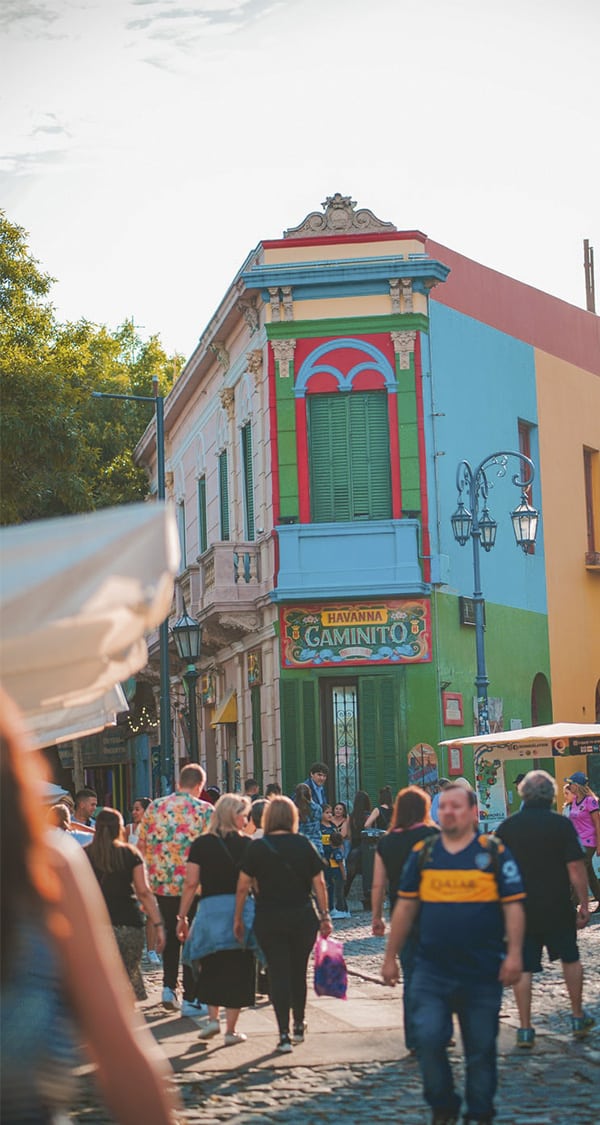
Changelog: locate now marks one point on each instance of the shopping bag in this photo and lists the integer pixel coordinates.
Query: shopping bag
(331, 977)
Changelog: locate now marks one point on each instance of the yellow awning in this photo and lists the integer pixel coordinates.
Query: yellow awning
(226, 710)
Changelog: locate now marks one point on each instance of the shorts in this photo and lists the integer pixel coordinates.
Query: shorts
(560, 943)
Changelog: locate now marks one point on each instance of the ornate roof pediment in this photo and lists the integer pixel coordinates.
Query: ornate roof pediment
(341, 217)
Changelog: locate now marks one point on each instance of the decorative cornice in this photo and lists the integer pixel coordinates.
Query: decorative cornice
(342, 276)
(247, 307)
(227, 397)
(283, 351)
(348, 326)
(220, 351)
(340, 218)
(404, 346)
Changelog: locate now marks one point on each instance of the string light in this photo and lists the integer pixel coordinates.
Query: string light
(145, 720)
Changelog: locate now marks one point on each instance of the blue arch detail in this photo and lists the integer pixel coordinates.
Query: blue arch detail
(312, 366)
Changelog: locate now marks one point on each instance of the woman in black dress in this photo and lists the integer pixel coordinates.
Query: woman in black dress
(121, 873)
(286, 868)
(360, 812)
(226, 978)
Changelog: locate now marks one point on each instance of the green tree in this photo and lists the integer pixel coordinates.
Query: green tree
(62, 450)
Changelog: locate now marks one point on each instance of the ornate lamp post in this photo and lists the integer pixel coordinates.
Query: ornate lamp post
(187, 634)
(467, 522)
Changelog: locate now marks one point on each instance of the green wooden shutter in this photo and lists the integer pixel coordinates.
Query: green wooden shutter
(381, 722)
(248, 469)
(224, 495)
(202, 518)
(300, 736)
(257, 764)
(349, 457)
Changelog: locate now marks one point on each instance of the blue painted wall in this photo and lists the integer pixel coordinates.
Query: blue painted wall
(478, 383)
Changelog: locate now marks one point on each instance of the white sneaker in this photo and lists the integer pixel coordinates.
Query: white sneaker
(153, 957)
(337, 914)
(209, 1029)
(169, 1000)
(233, 1037)
(194, 1010)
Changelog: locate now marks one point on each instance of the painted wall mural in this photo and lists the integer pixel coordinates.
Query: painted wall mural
(327, 636)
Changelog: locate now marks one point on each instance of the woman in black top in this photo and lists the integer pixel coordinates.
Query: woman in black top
(411, 822)
(226, 978)
(381, 815)
(121, 873)
(360, 812)
(286, 869)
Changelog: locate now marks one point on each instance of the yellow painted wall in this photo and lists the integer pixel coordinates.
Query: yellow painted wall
(327, 251)
(569, 419)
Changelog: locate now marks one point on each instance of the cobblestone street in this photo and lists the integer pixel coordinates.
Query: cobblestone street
(353, 1064)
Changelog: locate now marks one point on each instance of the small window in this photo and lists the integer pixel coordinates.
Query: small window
(202, 520)
(248, 473)
(592, 488)
(224, 495)
(181, 529)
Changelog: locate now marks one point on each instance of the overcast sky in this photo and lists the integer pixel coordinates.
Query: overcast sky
(148, 145)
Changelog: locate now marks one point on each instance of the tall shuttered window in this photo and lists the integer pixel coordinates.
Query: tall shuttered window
(349, 457)
(202, 520)
(181, 529)
(248, 471)
(224, 495)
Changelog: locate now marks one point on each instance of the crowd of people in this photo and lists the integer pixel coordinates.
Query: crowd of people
(238, 886)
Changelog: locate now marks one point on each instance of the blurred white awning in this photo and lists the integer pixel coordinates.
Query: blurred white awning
(77, 596)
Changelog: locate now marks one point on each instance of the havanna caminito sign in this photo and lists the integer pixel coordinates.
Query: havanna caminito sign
(351, 633)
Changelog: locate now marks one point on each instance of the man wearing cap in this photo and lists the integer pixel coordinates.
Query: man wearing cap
(584, 814)
(549, 855)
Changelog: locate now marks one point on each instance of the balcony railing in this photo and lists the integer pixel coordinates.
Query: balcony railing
(234, 573)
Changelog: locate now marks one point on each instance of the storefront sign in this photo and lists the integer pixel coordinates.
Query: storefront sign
(354, 633)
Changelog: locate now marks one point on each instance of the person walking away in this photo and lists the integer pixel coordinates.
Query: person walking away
(467, 894)
(254, 829)
(226, 977)
(584, 814)
(131, 834)
(411, 822)
(337, 877)
(62, 981)
(443, 783)
(121, 874)
(165, 835)
(546, 847)
(309, 815)
(273, 789)
(380, 817)
(287, 870)
(360, 812)
(316, 781)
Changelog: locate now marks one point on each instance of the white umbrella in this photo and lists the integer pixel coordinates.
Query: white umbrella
(532, 736)
(77, 596)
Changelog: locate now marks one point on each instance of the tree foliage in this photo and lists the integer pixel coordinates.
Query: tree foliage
(62, 450)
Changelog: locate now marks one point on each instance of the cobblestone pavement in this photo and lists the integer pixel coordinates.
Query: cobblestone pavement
(556, 1084)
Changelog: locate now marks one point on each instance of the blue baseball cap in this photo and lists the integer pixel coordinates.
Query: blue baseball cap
(577, 778)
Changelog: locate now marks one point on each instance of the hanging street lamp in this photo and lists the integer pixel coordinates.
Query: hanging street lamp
(187, 634)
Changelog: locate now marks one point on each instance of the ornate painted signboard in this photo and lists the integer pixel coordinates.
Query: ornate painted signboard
(354, 633)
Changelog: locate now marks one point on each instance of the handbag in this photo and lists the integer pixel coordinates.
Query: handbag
(331, 975)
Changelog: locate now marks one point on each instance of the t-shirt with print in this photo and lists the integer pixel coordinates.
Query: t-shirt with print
(169, 826)
(284, 867)
(336, 857)
(580, 815)
(461, 923)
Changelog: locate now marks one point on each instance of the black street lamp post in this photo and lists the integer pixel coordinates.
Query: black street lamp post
(187, 634)
(467, 523)
(166, 737)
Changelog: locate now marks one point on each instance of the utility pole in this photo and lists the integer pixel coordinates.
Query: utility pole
(588, 265)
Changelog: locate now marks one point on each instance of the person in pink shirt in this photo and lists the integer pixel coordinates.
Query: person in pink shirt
(584, 814)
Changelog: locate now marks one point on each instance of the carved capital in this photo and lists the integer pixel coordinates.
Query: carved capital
(222, 355)
(404, 346)
(287, 301)
(283, 350)
(407, 295)
(227, 396)
(249, 311)
(395, 294)
(254, 362)
(275, 304)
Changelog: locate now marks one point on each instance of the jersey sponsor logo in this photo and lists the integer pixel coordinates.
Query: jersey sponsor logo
(458, 886)
(510, 872)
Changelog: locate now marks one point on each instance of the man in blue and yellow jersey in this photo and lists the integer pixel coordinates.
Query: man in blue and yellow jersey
(468, 896)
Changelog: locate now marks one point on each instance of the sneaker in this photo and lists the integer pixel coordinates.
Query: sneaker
(233, 1037)
(284, 1047)
(169, 1000)
(582, 1025)
(209, 1029)
(337, 914)
(298, 1032)
(193, 1009)
(525, 1037)
(153, 957)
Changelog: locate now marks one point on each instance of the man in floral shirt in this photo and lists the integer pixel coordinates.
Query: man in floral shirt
(168, 827)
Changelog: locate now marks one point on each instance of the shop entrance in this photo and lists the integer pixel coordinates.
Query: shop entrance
(339, 711)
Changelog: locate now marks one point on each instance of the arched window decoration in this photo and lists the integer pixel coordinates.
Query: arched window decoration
(541, 701)
(315, 364)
